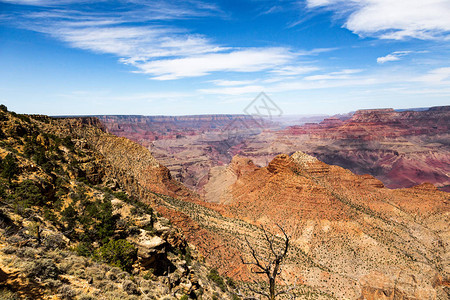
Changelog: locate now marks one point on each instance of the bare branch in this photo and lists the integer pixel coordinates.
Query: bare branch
(258, 292)
(286, 240)
(273, 267)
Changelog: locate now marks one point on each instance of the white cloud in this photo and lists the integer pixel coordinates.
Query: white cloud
(388, 19)
(436, 76)
(293, 70)
(343, 78)
(394, 56)
(248, 60)
(318, 3)
(164, 52)
(232, 82)
(344, 74)
(132, 43)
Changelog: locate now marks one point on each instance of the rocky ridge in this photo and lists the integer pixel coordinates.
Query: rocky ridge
(70, 230)
(353, 237)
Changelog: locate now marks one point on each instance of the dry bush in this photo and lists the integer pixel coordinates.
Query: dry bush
(53, 242)
(86, 297)
(53, 283)
(66, 292)
(6, 294)
(96, 273)
(130, 287)
(9, 249)
(43, 269)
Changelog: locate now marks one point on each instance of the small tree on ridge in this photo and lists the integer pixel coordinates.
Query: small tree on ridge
(270, 264)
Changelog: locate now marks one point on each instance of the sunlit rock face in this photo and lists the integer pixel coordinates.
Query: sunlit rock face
(400, 148)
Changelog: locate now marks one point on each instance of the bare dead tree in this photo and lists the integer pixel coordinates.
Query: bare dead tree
(270, 264)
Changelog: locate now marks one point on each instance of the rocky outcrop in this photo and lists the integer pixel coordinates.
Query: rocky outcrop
(339, 221)
(400, 148)
(71, 184)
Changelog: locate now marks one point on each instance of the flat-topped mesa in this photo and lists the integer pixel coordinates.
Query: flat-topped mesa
(374, 110)
(440, 108)
(331, 122)
(385, 115)
(82, 122)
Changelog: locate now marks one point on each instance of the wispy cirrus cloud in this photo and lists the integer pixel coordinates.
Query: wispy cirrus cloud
(141, 35)
(294, 70)
(222, 82)
(341, 78)
(343, 74)
(237, 60)
(438, 76)
(394, 56)
(388, 19)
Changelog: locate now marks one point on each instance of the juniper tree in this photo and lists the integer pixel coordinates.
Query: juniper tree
(9, 167)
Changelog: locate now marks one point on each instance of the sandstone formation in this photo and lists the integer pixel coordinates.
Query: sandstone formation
(401, 148)
(352, 237)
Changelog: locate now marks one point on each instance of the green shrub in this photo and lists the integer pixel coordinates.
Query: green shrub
(70, 216)
(231, 283)
(25, 195)
(216, 278)
(188, 256)
(84, 249)
(10, 169)
(215, 296)
(118, 253)
(67, 142)
(122, 196)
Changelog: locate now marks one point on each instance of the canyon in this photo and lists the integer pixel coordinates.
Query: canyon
(401, 148)
(351, 236)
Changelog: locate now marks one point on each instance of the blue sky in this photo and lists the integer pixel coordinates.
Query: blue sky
(175, 57)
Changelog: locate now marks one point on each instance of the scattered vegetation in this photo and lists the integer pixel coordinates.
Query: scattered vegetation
(118, 253)
(57, 218)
